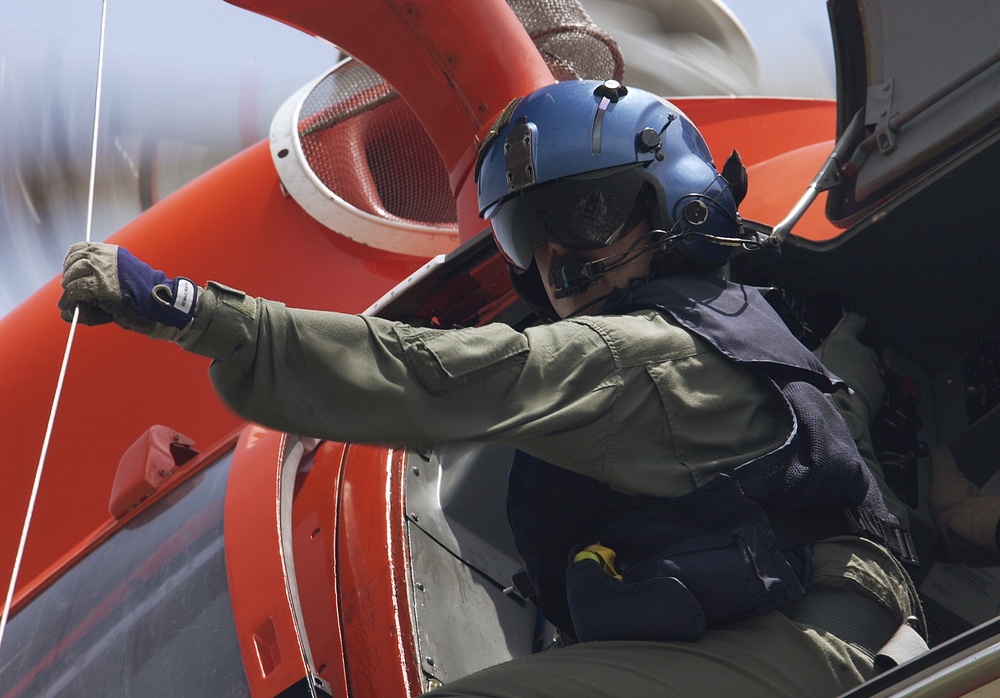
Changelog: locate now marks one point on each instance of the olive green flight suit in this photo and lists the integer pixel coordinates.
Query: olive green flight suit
(633, 401)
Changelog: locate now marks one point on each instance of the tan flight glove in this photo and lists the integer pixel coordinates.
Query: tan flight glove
(108, 284)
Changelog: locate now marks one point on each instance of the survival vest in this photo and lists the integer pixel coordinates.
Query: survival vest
(607, 566)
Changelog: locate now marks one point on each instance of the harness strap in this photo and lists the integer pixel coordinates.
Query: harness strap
(889, 533)
(861, 622)
(794, 530)
(905, 644)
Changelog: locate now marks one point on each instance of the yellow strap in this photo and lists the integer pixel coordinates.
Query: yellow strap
(605, 557)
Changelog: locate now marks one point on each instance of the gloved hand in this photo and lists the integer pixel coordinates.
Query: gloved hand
(108, 284)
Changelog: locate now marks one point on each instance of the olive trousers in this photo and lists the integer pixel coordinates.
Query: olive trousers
(767, 655)
(764, 656)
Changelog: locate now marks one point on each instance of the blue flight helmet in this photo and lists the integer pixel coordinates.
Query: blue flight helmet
(569, 163)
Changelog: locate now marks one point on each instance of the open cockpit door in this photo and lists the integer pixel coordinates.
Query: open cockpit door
(920, 83)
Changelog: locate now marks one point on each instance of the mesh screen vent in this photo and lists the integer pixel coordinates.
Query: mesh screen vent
(365, 144)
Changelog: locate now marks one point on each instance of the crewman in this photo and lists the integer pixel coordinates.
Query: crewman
(688, 493)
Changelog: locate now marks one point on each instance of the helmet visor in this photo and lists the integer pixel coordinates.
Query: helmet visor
(582, 212)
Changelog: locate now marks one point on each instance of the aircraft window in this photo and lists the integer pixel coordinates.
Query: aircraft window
(147, 613)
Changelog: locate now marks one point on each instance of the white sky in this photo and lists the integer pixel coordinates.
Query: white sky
(793, 42)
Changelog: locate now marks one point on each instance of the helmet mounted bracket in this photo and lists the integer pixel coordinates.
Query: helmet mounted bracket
(609, 91)
(519, 161)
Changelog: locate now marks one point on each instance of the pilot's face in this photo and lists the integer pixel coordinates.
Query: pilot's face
(551, 255)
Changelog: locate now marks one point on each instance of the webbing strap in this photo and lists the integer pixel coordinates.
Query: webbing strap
(858, 620)
(891, 534)
(905, 644)
(794, 530)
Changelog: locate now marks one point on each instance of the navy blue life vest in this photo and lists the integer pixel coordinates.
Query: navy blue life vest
(712, 556)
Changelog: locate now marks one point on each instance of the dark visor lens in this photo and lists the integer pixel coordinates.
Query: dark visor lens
(583, 212)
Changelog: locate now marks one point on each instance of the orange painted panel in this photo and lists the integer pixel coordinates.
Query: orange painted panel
(314, 522)
(373, 559)
(232, 225)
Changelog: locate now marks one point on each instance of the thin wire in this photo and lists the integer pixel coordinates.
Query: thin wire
(69, 342)
(97, 121)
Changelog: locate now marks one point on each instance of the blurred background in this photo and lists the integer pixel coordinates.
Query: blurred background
(188, 83)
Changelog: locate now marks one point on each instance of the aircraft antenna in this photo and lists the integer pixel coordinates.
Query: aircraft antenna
(69, 339)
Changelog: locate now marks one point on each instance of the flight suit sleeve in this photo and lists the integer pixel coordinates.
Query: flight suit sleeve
(369, 380)
(856, 364)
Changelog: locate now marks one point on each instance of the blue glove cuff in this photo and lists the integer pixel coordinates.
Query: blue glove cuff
(152, 295)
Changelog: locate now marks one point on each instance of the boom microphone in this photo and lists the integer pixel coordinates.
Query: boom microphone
(576, 278)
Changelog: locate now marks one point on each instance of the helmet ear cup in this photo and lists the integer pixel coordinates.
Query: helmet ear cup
(695, 202)
(713, 213)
